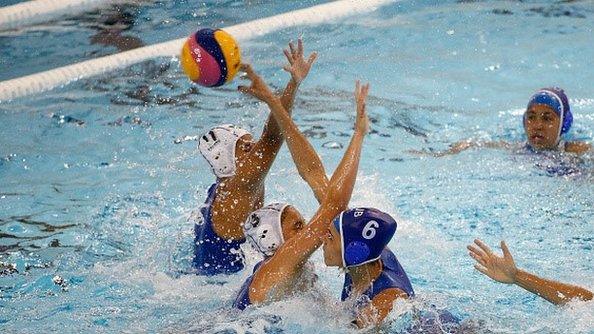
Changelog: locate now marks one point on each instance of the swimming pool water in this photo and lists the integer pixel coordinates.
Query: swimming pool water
(97, 178)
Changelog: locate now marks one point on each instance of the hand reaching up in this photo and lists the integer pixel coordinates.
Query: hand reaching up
(258, 89)
(298, 66)
(362, 121)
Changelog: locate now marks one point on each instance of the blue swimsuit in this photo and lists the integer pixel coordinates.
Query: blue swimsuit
(553, 163)
(392, 276)
(214, 255)
(243, 297)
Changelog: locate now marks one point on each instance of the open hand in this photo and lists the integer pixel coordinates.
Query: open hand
(362, 121)
(298, 66)
(501, 269)
(258, 89)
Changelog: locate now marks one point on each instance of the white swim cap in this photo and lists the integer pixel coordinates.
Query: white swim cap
(218, 148)
(263, 228)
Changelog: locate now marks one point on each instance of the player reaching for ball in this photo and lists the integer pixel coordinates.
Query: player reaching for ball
(240, 164)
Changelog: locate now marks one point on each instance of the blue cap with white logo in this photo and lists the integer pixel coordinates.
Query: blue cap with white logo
(554, 98)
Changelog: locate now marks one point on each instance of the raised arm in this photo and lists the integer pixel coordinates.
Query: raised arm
(504, 270)
(306, 159)
(294, 252)
(344, 177)
(297, 250)
(264, 151)
(298, 68)
(272, 131)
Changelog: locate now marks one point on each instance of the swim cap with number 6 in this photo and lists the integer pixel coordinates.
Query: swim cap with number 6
(364, 233)
(210, 57)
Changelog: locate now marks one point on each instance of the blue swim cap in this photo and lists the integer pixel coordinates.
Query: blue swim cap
(364, 233)
(555, 98)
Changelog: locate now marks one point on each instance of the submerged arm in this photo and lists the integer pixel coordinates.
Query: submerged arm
(504, 270)
(577, 147)
(463, 145)
(379, 308)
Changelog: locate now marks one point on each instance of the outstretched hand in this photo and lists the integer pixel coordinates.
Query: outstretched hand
(501, 269)
(258, 89)
(298, 66)
(362, 121)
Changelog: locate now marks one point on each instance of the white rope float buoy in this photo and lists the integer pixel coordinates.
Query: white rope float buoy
(40, 11)
(47, 80)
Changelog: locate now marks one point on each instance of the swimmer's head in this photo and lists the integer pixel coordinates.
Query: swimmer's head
(269, 227)
(547, 118)
(357, 236)
(223, 146)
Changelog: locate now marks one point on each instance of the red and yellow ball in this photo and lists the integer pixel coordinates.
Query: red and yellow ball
(210, 57)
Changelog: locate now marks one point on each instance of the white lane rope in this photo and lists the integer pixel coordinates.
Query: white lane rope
(39, 11)
(47, 80)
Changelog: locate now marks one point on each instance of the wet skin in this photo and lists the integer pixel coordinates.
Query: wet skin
(542, 127)
(243, 146)
(237, 196)
(332, 247)
(291, 222)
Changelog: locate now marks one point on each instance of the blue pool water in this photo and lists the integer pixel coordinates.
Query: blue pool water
(97, 178)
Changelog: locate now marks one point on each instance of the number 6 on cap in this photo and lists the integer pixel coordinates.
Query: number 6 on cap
(370, 229)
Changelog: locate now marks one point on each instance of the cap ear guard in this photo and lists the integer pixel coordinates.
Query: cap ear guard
(217, 146)
(263, 228)
(356, 252)
(567, 118)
